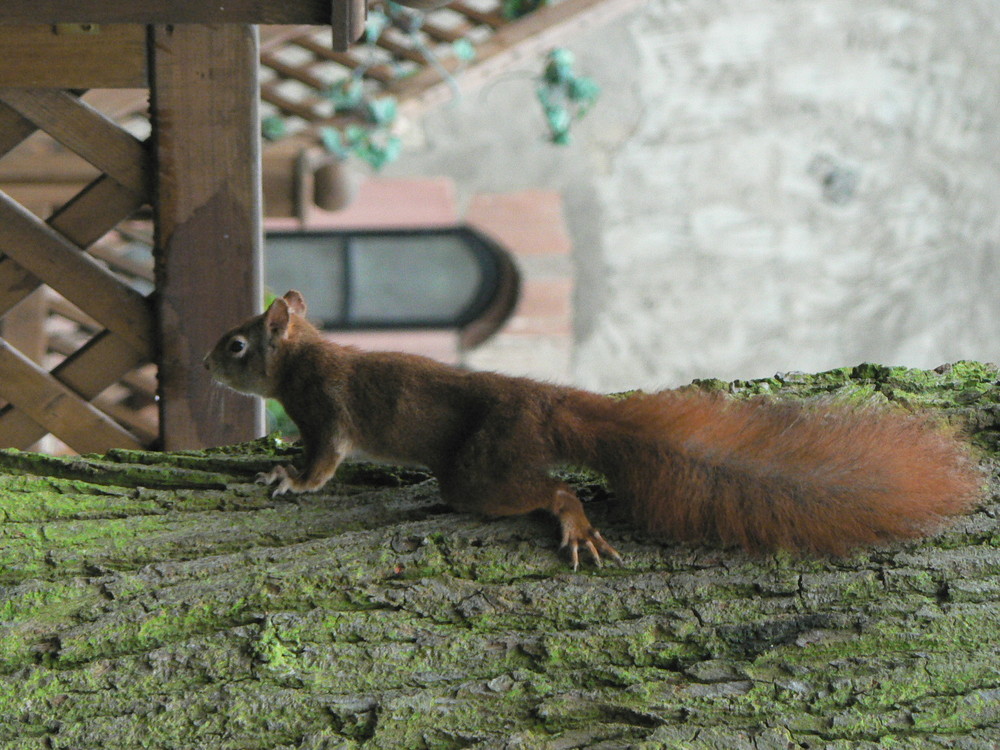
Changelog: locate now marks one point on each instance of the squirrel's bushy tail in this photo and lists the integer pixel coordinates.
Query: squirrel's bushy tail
(767, 475)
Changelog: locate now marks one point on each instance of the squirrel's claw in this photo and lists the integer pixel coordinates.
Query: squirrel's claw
(285, 476)
(594, 544)
(576, 530)
(278, 473)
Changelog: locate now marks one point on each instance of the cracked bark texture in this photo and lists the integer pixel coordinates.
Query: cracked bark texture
(164, 601)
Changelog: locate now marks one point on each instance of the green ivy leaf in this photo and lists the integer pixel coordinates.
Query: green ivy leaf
(382, 111)
(333, 142)
(517, 8)
(273, 127)
(559, 120)
(564, 96)
(346, 94)
(558, 67)
(584, 90)
(562, 137)
(355, 134)
(464, 50)
(393, 148)
(374, 26)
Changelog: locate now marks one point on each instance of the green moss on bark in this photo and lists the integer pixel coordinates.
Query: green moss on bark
(165, 601)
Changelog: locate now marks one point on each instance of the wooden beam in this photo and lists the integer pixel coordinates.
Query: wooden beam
(80, 57)
(347, 19)
(208, 222)
(315, 12)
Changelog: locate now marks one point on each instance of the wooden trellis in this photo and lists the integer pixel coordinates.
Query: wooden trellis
(53, 253)
(199, 174)
(202, 164)
(299, 64)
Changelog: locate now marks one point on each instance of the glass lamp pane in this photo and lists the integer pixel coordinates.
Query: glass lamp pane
(416, 279)
(312, 264)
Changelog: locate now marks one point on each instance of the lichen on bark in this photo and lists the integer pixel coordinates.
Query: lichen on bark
(165, 601)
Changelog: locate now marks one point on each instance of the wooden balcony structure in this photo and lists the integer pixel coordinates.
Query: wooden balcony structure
(195, 170)
(199, 171)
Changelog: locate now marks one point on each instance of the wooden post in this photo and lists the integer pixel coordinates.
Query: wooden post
(206, 133)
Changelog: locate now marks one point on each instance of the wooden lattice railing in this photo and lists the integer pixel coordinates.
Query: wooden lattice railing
(199, 63)
(37, 253)
(298, 63)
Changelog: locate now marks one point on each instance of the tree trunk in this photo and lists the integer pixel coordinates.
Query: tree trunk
(165, 601)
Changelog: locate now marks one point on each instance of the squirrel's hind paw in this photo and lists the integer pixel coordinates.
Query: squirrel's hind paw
(270, 477)
(281, 474)
(591, 539)
(285, 476)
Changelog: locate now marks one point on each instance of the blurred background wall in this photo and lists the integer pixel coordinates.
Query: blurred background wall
(768, 186)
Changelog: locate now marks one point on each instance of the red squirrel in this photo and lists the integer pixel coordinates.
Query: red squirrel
(761, 474)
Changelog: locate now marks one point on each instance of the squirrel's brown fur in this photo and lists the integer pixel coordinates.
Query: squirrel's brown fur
(688, 465)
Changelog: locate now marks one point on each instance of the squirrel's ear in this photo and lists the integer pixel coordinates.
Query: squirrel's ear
(296, 302)
(276, 318)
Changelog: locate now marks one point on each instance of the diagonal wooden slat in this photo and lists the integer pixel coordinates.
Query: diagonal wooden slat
(39, 249)
(58, 402)
(350, 60)
(493, 18)
(47, 401)
(401, 51)
(299, 73)
(98, 363)
(96, 210)
(15, 283)
(13, 129)
(269, 93)
(90, 215)
(83, 130)
(143, 423)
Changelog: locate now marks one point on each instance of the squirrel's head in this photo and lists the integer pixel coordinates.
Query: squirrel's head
(244, 357)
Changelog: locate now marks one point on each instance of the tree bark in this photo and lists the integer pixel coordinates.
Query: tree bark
(165, 601)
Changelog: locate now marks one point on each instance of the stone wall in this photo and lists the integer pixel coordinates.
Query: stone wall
(782, 185)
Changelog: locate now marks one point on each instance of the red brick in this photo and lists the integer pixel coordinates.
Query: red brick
(400, 203)
(529, 222)
(545, 307)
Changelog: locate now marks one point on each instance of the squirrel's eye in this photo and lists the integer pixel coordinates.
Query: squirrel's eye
(236, 346)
